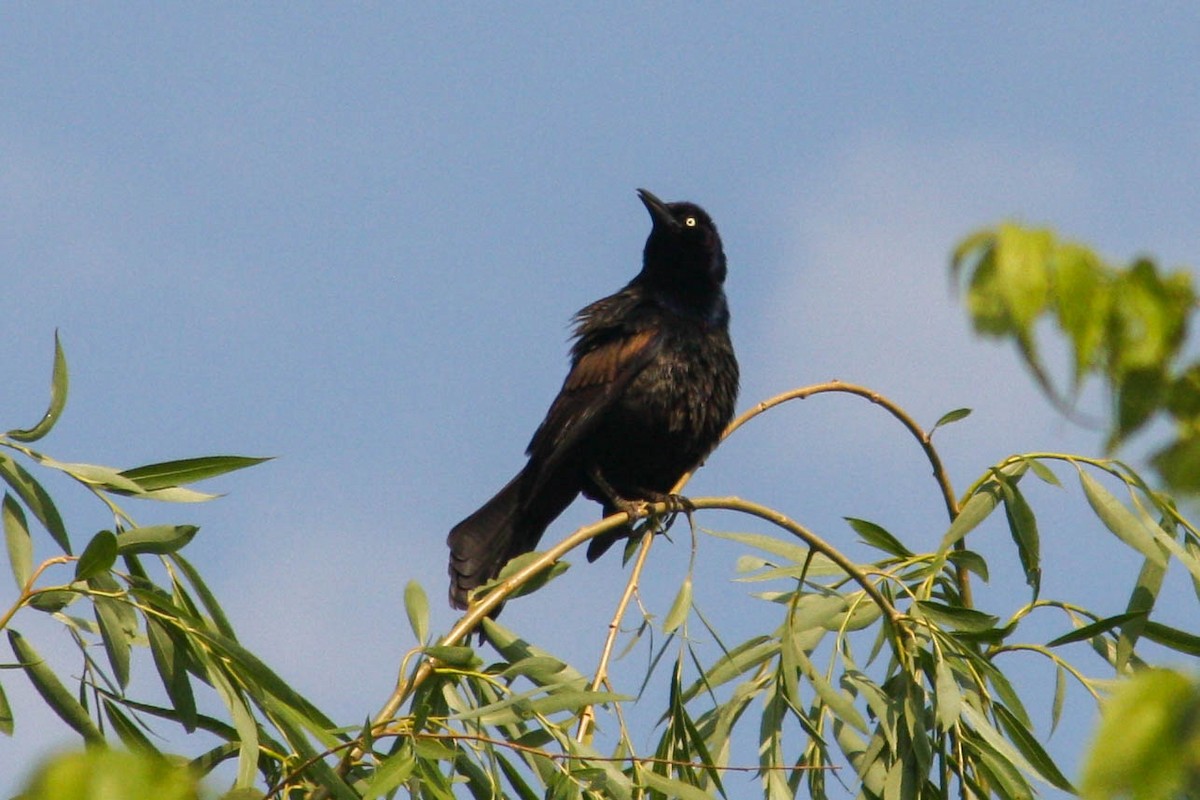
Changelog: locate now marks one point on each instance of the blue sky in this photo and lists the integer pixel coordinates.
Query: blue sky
(352, 237)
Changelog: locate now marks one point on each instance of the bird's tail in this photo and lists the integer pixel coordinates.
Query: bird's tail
(505, 527)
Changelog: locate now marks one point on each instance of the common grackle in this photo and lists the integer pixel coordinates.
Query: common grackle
(652, 385)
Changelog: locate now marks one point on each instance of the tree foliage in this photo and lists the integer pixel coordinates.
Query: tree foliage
(880, 677)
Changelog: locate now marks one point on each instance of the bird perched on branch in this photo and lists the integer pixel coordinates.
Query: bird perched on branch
(652, 385)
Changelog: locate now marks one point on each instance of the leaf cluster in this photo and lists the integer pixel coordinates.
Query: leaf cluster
(1126, 325)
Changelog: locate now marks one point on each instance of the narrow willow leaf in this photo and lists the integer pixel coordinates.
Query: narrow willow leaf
(93, 475)
(1177, 640)
(127, 730)
(416, 605)
(982, 726)
(877, 537)
(1060, 697)
(35, 499)
(970, 561)
(59, 383)
(47, 684)
(974, 511)
(453, 655)
(6, 714)
(189, 470)
(250, 668)
(155, 539)
(949, 417)
(514, 649)
(997, 771)
(1022, 525)
(680, 608)
(53, 600)
(838, 702)
(394, 771)
(1033, 751)
(670, 787)
(957, 618)
(177, 494)
(171, 664)
(16, 537)
(734, 663)
(1141, 603)
(1091, 630)
(206, 596)
(533, 583)
(118, 626)
(99, 556)
(1117, 517)
(947, 696)
(795, 553)
(1044, 473)
(243, 722)
(526, 705)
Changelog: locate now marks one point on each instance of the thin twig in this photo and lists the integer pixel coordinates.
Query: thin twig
(589, 713)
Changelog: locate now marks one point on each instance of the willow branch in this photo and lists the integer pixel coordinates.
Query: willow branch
(923, 437)
(614, 626)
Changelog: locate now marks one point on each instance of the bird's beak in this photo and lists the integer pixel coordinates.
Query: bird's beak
(658, 209)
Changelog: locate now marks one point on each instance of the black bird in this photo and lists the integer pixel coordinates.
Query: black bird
(652, 385)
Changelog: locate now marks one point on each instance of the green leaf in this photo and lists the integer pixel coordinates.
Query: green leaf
(243, 722)
(16, 537)
(394, 771)
(206, 596)
(1043, 472)
(171, 663)
(1060, 697)
(974, 511)
(170, 474)
(670, 787)
(875, 536)
(47, 684)
(92, 475)
(1144, 743)
(1022, 524)
(416, 605)
(6, 714)
(58, 399)
(540, 700)
(1179, 463)
(453, 655)
(532, 584)
(795, 553)
(1033, 751)
(950, 417)
(1081, 298)
(1177, 640)
(35, 499)
(118, 625)
(99, 556)
(1120, 520)
(155, 539)
(1139, 393)
(982, 726)
(1091, 630)
(127, 730)
(957, 618)
(679, 608)
(52, 600)
(947, 695)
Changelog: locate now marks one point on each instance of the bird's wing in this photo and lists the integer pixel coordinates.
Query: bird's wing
(597, 378)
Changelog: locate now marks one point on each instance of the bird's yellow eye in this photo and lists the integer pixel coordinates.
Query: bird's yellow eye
(690, 222)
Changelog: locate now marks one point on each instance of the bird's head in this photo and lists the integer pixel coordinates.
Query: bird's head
(684, 247)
